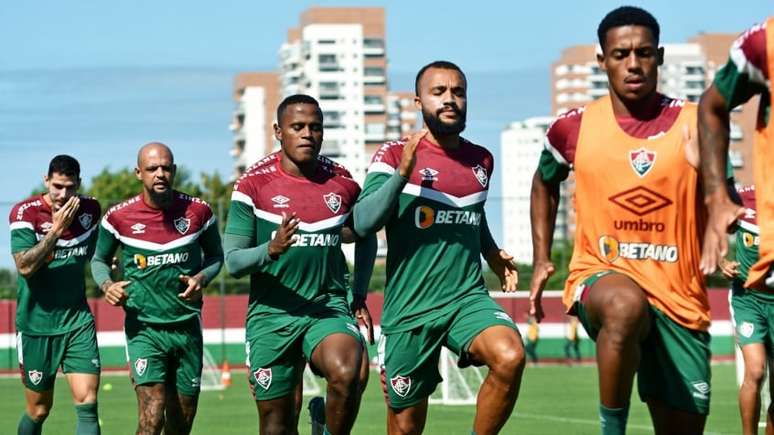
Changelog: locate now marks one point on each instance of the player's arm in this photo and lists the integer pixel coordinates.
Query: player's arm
(101, 262)
(544, 203)
(365, 255)
(209, 241)
(28, 261)
(380, 194)
(242, 255)
(498, 260)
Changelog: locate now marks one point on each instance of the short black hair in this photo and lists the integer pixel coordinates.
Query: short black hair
(627, 16)
(296, 99)
(441, 64)
(65, 165)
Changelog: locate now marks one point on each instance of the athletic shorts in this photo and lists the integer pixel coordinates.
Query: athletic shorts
(753, 315)
(409, 359)
(273, 354)
(675, 361)
(168, 354)
(40, 356)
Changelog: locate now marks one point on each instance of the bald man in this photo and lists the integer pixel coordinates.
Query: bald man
(170, 250)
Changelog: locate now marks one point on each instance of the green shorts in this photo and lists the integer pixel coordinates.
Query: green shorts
(753, 316)
(273, 354)
(40, 356)
(675, 361)
(165, 353)
(409, 359)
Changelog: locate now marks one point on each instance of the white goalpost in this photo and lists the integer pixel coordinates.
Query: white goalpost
(211, 374)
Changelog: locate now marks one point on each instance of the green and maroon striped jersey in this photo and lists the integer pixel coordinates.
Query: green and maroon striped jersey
(433, 234)
(312, 270)
(157, 246)
(53, 301)
(747, 234)
(746, 73)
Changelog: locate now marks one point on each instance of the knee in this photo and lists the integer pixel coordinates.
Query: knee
(754, 374)
(273, 427)
(39, 412)
(626, 315)
(508, 362)
(84, 397)
(405, 426)
(342, 375)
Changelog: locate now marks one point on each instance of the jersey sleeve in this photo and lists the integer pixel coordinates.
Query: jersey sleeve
(384, 164)
(22, 229)
(241, 218)
(107, 243)
(746, 72)
(558, 154)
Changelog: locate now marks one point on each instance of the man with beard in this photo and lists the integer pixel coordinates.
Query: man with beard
(429, 192)
(170, 249)
(634, 281)
(52, 237)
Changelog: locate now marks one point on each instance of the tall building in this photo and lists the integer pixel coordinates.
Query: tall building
(256, 95)
(520, 146)
(338, 56)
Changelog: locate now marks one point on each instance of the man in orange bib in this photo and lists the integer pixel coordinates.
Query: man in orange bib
(634, 281)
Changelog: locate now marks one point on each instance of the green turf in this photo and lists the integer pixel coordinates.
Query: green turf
(554, 399)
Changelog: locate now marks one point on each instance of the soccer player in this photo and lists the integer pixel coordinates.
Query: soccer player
(170, 250)
(753, 313)
(429, 193)
(285, 228)
(52, 237)
(746, 74)
(634, 281)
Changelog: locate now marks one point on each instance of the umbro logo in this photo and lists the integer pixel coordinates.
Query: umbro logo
(138, 228)
(429, 174)
(280, 201)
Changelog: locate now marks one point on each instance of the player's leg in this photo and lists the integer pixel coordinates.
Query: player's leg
(81, 365)
(39, 358)
(148, 360)
(273, 357)
(184, 381)
(409, 374)
(770, 410)
(614, 310)
(483, 334)
(335, 348)
(674, 376)
(151, 401)
(751, 324)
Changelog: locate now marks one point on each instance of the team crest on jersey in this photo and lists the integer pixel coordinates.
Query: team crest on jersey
(642, 161)
(280, 201)
(333, 201)
(138, 228)
(140, 365)
(182, 225)
(263, 378)
(429, 174)
(481, 175)
(85, 220)
(46, 226)
(401, 385)
(746, 329)
(35, 376)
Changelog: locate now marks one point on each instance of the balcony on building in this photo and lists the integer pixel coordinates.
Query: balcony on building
(331, 148)
(240, 137)
(329, 91)
(735, 133)
(374, 132)
(332, 119)
(328, 63)
(393, 133)
(373, 47)
(374, 75)
(736, 159)
(373, 104)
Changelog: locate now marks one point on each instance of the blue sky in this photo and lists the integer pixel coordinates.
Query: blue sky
(98, 79)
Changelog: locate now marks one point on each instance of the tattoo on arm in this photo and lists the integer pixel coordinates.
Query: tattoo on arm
(29, 261)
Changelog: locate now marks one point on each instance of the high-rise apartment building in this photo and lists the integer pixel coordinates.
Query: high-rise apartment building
(256, 95)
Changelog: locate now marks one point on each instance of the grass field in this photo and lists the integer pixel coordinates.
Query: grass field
(554, 399)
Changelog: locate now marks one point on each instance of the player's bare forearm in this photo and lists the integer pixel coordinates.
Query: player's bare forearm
(544, 202)
(29, 261)
(713, 143)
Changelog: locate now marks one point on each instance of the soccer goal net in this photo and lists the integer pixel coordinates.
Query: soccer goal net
(211, 374)
(311, 383)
